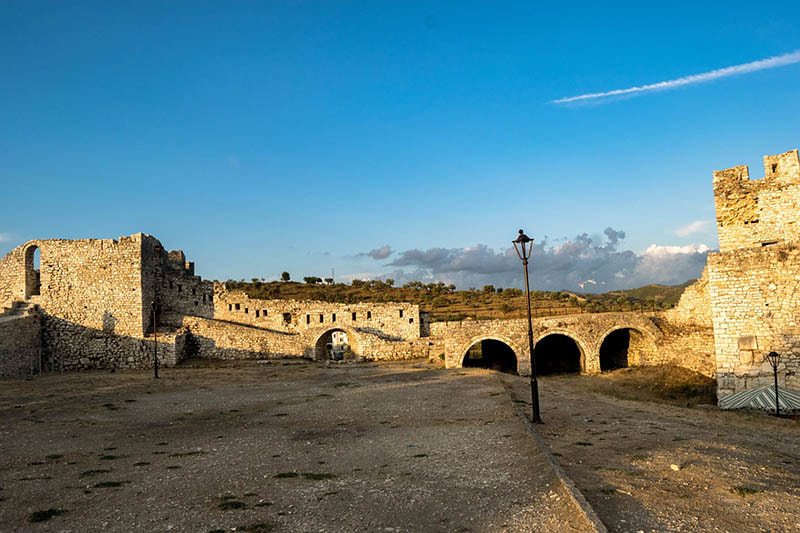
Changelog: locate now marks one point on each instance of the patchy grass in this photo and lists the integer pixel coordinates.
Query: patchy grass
(187, 454)
(45, 515)
(95, 472)
(109, 457)
(583, 443)
(664, 384)
(109, 484)
(316, 477)
(743, 490)
(141, 463)
(230, 505)
(285, 475)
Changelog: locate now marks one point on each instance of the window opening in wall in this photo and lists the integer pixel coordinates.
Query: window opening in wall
(204, 298)
(369, 315)
(354, 317)
(180, 288)
(264, 312)
(210, 297)
(774, 168)
(308, 319)
(768, 243)
(287, 318)
(33, 277)
(246, 310)
(194, 291)
(237, 306)
(333, 317)
(170, 284)
(196, 303)
(256, 313)
(321, 318)
(410, 320)
(230, 307)
(401, 313)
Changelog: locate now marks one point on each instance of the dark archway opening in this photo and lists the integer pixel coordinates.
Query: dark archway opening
(493, 354)
(33, 279)
(557, 354)
(614, 350)
(334, 344)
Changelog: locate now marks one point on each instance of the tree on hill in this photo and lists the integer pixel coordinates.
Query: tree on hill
(312, 280)
(285, 276)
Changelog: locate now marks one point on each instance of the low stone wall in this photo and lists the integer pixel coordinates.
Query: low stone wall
(70, 346)
(218, 339)
(684, 344)
(20, 345)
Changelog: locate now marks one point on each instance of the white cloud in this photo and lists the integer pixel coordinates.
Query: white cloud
(736, 70)
(588, 263)
(698, 226)
(5, 237)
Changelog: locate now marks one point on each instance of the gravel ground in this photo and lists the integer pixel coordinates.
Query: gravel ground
(285, 446)
(647, 466)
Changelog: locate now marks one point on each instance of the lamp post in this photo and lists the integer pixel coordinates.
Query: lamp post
(774, 359)
(155, 339)
(524, 247)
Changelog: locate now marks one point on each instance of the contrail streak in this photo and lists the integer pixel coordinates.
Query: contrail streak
(745, 68)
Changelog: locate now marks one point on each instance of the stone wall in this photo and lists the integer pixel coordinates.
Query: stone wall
(755, 295)
(694, 306)
(752, 212)
(753, 279)
(20, 345)
(218, 339)
(396, 320)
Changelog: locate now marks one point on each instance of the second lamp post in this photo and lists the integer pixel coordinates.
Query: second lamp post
(524, 247)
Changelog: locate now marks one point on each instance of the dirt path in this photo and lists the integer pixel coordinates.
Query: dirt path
(647, 466)
(273, 447)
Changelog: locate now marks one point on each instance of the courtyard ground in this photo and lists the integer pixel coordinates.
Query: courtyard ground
(283, 446)
(651, 466)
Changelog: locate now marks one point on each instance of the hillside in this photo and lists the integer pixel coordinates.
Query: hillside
(446, 303)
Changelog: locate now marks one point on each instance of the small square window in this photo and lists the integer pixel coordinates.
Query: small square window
(256, 313)
(264, 311)
(401, 313)
(246, 310)
(230, 307)
(774, 167)
(308, 319)
(180, 288)
(321, 318)
(354, 317)
(333, 317)
(410, 320)
(237, 306)
(369, 315)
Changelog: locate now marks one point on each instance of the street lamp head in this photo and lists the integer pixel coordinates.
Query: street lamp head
(523, 245)
(774, 359)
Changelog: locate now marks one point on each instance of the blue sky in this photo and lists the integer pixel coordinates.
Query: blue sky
(299, 136)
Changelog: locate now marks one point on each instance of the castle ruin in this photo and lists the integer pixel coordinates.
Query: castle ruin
(95, 303)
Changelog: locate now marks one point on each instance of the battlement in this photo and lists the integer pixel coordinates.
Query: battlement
(758, 212)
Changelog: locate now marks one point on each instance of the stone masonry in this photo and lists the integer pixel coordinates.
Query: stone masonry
(754, 279)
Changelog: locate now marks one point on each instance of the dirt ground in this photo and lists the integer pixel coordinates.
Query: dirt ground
(285, 446)
(647, 466)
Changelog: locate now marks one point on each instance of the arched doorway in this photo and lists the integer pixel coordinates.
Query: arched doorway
(335, 344)
(624, 347)
(614, 350)
(33, 280)
(557, 354)
(493, 354)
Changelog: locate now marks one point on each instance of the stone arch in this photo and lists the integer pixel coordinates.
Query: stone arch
(624, 345)
(320, 340)
(33, 280)
(575, 361)
(502, 364)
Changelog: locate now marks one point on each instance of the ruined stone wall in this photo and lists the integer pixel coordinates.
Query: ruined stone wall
(169, 279)
(217, 339)
(20, 344)
(69, 346)
(397, 320)
(755, 294)
(694, 306)
(752, 212)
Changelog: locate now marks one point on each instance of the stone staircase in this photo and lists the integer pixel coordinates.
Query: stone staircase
(20, 308)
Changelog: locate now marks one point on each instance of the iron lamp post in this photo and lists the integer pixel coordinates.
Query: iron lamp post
(524, 247)
(774, 359)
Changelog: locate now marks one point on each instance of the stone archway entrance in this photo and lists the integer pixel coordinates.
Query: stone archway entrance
(336, 344)
(614, 350)
(558, 354)
(493, 354)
